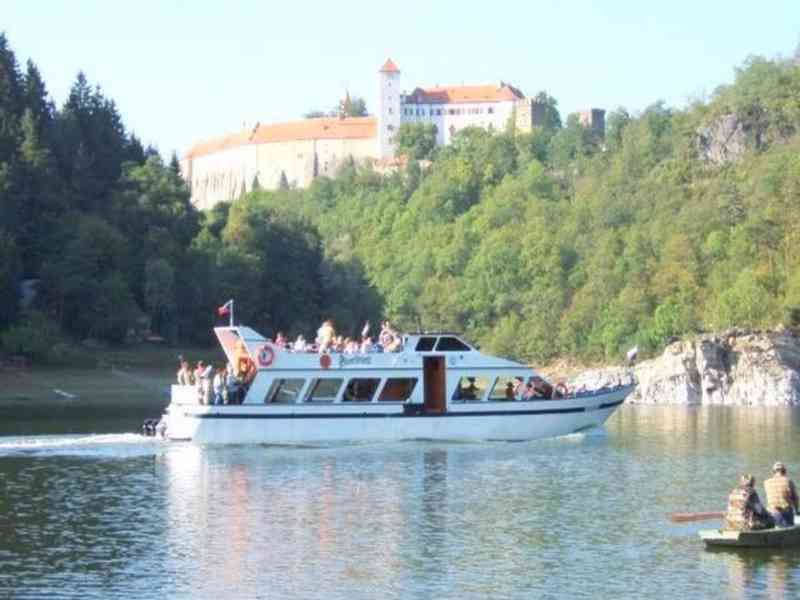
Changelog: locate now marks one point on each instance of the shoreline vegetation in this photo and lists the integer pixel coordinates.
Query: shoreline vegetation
(107, 382)
(564, 244)
(733, 368)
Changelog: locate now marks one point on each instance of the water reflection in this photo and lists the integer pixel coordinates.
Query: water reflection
(580, 516)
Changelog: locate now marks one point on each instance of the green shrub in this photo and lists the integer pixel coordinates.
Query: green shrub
(34, 336)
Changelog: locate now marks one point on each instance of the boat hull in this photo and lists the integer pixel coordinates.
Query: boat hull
(780, 537)
(306, 423)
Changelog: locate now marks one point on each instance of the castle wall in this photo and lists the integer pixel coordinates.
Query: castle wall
(296, 159)
(221, 176)
(452, 118)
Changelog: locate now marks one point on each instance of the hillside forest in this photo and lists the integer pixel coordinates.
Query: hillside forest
(555, 243)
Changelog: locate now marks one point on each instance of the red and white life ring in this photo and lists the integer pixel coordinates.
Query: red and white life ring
(265, 356)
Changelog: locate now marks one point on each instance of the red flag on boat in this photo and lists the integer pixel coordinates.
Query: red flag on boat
(225, 308)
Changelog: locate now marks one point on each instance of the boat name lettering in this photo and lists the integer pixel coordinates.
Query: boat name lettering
(345, 361)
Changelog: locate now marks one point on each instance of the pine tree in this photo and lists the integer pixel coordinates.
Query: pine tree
(175, 164)
(134, 151)
(10, 100)
(283, 184)
(37, 100)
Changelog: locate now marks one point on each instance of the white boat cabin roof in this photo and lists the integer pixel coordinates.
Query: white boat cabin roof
(416, 345)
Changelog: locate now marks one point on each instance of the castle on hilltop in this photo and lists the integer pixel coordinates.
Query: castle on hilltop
(224, 168)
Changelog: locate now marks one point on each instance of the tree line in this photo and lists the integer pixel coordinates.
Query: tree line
(535, 245)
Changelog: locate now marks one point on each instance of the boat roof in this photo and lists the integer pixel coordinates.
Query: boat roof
(414, 345)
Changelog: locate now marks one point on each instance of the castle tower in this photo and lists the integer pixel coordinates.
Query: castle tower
(388, 108)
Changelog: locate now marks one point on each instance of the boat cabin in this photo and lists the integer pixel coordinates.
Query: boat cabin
(430, 370)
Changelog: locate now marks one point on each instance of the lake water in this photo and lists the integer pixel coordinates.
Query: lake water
(100, 513)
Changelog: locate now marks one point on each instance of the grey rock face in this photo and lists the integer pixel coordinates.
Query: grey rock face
(735, 368)
(725, 140)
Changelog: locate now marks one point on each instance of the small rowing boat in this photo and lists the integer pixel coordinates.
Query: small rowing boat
(779, 537)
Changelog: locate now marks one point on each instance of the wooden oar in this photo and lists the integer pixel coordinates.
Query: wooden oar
(694, 516)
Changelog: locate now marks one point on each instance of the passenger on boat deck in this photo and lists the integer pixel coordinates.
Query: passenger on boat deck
(206, 378)
(280, 340)
(541, 388)
(781, 496)
(242, 359)
(366, 345)
(471, 392)
(389, 339)
(528, 393)
(325, 335)
(519, 388)
(231, 386)
(219, 385)
(745, 511)
(198, 381)
(509, 391)
(184, 374)
(198, 371)
(350, 346)
(299, 344)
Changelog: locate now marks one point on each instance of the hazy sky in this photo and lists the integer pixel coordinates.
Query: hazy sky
(181, 71)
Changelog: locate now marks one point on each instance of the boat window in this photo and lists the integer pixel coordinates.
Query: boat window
(398, 389)
(324, 390)
(360, 390)
(284, 390)
(471, 388)
(425, 344)
(507, 388)
(451, 344)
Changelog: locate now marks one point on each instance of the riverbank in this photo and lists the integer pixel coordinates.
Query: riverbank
(734, 368)
(130, 380)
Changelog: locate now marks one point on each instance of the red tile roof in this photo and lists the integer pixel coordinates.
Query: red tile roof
(389, 67)
(460, 94)
(224, 142)
(325, 128)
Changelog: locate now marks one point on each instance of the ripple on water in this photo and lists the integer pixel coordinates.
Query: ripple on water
(579, 516)
(110, 445)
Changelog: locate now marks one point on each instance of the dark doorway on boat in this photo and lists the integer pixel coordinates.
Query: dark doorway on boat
(433, 373)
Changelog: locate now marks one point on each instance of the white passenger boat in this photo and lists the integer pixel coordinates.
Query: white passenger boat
(437, 387)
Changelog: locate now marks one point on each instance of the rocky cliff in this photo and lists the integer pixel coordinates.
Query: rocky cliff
(737, 368)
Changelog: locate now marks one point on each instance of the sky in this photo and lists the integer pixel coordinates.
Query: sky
(183, 71)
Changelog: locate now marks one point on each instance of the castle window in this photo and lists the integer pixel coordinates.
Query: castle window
(490, 110)
(390, 127)
(390, 111)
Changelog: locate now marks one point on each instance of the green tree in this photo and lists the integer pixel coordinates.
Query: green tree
(9, 279)
(159, 294)
(417, 140)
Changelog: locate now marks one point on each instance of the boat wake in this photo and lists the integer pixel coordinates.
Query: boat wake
(109, 445)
